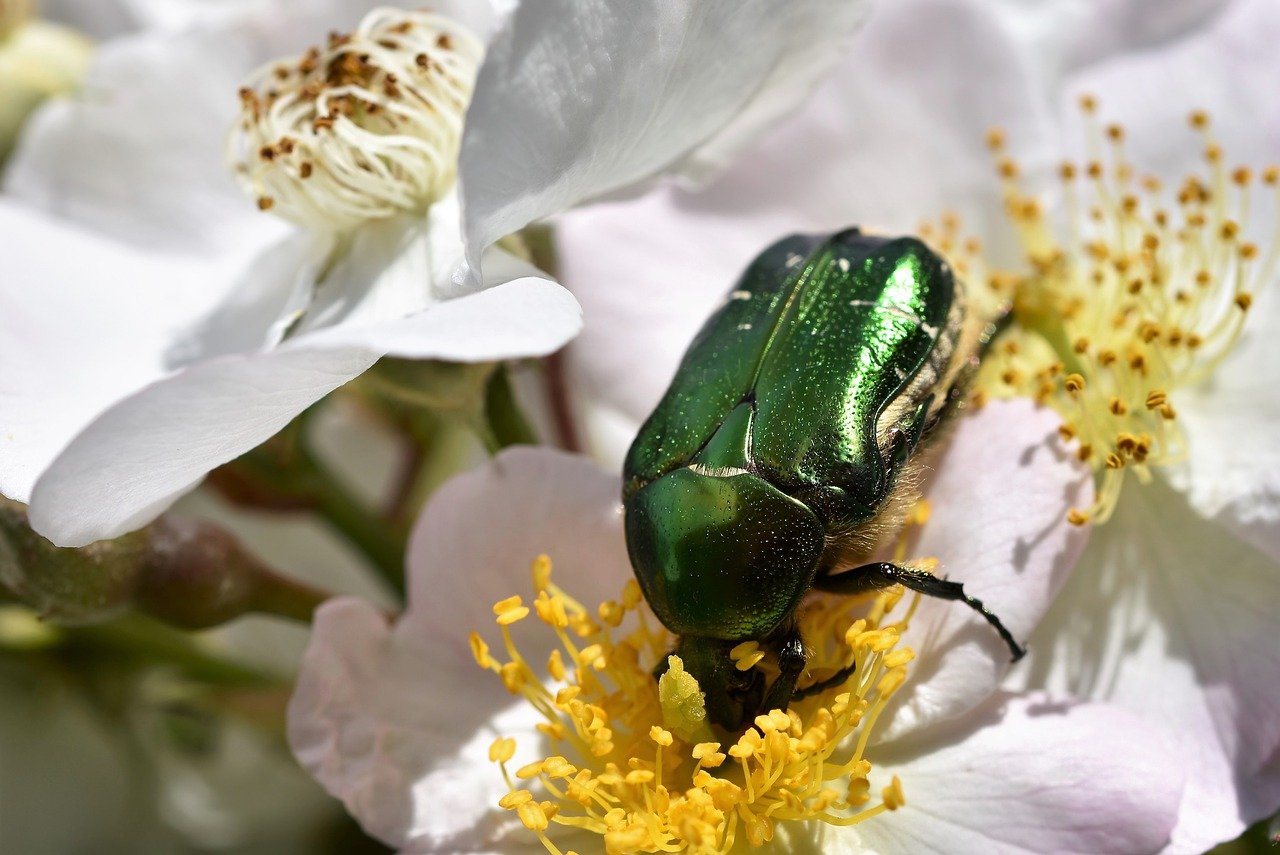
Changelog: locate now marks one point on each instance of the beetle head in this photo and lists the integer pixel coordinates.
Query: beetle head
(732, 697)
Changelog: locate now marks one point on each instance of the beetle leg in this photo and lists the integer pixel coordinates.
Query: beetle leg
(791, 661)
(873, 577)
(822, 685)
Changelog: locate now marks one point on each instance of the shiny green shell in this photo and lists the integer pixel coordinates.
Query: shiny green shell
(772, 434)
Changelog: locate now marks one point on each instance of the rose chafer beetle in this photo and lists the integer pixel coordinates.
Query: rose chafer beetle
(788, 443)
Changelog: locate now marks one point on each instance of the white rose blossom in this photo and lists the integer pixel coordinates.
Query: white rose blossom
(397, 720)
(1173, 612)
(161, 324)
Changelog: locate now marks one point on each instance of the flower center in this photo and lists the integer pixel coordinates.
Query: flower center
(1133, 294)
(365, 128)
(13, 14)
(634, 759)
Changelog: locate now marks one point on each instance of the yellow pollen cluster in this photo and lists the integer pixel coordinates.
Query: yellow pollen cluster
(1131, 293)
(365, 128)
(634, 760)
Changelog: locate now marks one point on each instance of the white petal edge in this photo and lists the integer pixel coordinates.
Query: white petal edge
(144, 452)
(578, 100)
(86, 322)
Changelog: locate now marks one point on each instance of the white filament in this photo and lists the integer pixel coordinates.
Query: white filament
(365, 128)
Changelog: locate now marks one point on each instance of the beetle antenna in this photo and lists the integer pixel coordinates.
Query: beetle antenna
(822, 685)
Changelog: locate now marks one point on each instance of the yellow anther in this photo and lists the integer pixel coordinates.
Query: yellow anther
(480, 651)
(893, 796)
(541, 571)
(1074, 383)
(512, 615)
(1244, 301)
(853, 635)
(530, 770)
(515, 798)
(502, 750)
(551, 609)
(995, 139)
(899, 658)
(555, 665)
(1077, 517)
(611, 613)
(593, 655)
(631, 594)
(1156, 399)
(661, 735)
(533, 816)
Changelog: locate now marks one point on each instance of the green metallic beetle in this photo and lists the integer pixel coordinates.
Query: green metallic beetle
(787, 446)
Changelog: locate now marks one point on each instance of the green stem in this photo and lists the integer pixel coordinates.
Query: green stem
(287, 598)
(381, 542)
(507, 425)
(152, 641)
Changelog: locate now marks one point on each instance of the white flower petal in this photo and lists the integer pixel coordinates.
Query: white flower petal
(1172, 617)
(577, 100)
(137, 155)
(528, 316)
(1026, 774)
(397, 722)
(143, 453)
(1232, 469)
(1215, 67)
(1013, 550)
(87, 321)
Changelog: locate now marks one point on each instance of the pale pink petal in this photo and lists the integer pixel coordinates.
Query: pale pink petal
(1000, 499)
(1172, 617)
(397, 721)
(1028, 774)
(477, 540)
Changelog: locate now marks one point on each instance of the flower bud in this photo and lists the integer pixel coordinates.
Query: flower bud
(189, 574)
(37, 61)
(70, 586)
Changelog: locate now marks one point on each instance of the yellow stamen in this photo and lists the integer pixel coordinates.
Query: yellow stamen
(1134, 294)
(634, 760)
